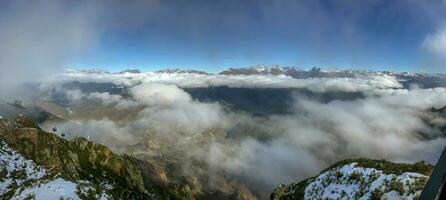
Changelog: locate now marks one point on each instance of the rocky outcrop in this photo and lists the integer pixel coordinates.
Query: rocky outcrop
(78, 159)
(120, 176)
(360, 179)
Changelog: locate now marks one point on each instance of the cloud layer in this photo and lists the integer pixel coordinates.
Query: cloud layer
(36, 39)
(388, 122)
(188, 80)
(434, 47)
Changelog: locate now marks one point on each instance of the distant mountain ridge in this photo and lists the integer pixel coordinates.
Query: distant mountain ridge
(317, 72)
(263, 70)
(132, 71)
(407, 79)
(181, 71)
(274, 69)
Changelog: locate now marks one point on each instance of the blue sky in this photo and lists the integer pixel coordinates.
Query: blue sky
(213, 35)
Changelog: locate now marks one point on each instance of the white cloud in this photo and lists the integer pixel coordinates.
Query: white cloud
(384, 123)
(187, 80)
(104, 131)
(112, 99)
(105, 97)
(436, 42)
(186, 117)
(159, 94)
(318, 134)
(434, 49)
(170, 109)
(74, 95)
(36, 38)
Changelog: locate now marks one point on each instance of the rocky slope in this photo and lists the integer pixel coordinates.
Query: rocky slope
(79, 169)
(360, 179)
(21, 178)
(76, 160)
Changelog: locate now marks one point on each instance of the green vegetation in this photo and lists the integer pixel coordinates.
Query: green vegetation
(376, 194)
(386, 166)
(291, 192)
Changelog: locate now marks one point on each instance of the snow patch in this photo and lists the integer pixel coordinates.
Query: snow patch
(25, 179)
(54, 189)
(15, 169)
(351, 182)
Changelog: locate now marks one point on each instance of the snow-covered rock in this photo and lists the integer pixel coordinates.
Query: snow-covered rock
(21, 178)
(361, 179)
(351, 182)
(54, 189)
(263, 70)
(16, 170)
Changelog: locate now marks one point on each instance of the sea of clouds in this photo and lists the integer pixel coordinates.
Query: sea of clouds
(190, 80)
(387, 122)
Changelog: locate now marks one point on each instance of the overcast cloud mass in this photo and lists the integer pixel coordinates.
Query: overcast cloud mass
(388, 122)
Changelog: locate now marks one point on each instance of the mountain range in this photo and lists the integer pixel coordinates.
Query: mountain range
(424, 80)
(274, 69)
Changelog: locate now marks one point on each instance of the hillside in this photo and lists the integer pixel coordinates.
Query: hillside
(22, 178)
(36, 164)
(78, 160)
(360, 179)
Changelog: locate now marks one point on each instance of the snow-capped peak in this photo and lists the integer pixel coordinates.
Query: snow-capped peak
(263, 70)
(181, 71)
